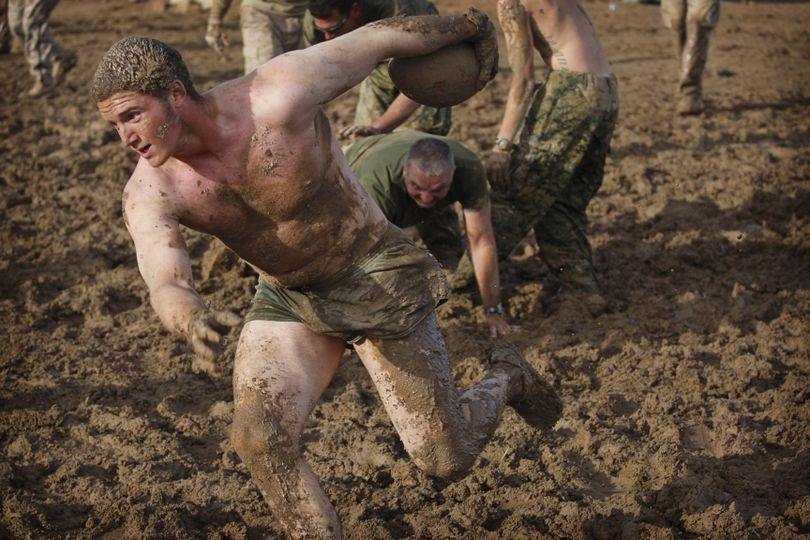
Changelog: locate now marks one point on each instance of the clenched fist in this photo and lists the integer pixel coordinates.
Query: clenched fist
(206, 333)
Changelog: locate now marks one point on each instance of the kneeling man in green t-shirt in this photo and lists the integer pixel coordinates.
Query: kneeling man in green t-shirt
(416, 179)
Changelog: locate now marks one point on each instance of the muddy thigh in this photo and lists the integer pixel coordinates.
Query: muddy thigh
(413, 378)
(281, 369)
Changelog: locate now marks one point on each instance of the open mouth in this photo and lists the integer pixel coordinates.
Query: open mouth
(144, 150)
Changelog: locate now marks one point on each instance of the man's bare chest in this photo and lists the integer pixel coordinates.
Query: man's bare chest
(261, 184)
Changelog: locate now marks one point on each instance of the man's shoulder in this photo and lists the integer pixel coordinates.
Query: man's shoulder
(147, 181)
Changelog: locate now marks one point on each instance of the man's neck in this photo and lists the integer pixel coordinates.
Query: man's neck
(199, 133)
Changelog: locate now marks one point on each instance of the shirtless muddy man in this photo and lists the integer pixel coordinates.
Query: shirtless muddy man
(254, 162)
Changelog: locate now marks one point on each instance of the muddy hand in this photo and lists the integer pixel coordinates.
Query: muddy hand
(206, 333)
(496, 165)
(357, 131)
(485, 42)
(498, 325)
(216, 38)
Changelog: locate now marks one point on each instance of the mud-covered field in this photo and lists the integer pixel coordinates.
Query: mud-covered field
(686, 406)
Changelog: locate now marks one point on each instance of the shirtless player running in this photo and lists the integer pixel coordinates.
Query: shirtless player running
(254, 162)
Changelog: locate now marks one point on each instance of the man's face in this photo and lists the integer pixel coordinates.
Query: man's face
(426, 190)
(147, 124)
(339, 23)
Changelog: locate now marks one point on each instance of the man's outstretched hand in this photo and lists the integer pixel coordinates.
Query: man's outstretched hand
(485, 42)
(354, 131)
(498, 326)
(206, 333)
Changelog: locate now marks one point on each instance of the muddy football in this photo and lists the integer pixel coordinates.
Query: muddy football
(444, 78)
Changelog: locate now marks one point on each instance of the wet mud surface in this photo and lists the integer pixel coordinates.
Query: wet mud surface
(686, 406)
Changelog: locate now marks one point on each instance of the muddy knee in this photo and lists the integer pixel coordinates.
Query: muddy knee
(261, 438)
(444, 459)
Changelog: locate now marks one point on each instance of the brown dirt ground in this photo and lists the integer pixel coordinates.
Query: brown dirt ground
(686, 406)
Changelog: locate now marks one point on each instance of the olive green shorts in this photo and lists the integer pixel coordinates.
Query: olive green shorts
(383, 295)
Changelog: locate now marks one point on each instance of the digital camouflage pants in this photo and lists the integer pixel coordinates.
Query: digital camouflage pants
(28, 21)
(556, 168)
(692, 22)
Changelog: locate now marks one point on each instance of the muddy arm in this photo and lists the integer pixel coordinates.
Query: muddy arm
(163, 258)
(306, 79)
(515, 24)
(165, 265)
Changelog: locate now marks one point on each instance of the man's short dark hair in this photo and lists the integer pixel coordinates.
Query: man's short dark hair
(322, 9)
(431, 155)
(142, 65)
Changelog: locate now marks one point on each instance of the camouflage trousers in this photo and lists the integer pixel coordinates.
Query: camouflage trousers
(5, 34)
(377, 92)
(28, 21)
(556, 168)
(692, 22)
(266, 35)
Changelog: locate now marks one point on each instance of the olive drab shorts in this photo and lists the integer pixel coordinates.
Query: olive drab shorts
(385, 294)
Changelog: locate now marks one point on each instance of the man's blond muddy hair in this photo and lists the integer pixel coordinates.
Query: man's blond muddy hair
(143, 65)
(432, 156)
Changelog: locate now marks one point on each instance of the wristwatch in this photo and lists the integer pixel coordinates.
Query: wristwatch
(503, 144)
(492, 310)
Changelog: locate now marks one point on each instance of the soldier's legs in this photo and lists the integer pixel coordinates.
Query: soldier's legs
(14, 19)
(701, 18)
(281, 369)
(673, 13)
(509, 225)
(41, 49)
(5, 31)
(442, 429)
(565, 249)
(441, 233)
(265, 36)
(691, 22)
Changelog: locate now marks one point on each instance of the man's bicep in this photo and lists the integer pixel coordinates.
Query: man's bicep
(307, 78)
(159, 244)
(479, 222)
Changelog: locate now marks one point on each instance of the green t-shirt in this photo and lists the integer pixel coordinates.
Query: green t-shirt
(378, 160)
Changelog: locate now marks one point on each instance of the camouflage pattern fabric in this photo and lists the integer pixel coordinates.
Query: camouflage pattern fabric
(285, 8)
(692, 22)
(5, 34)
(266, 35)
(28, 21)
(385, 295)
(377, 91)
(556, 168)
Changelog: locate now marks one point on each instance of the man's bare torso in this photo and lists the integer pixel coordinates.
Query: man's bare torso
(285, 203)
(563, 34)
